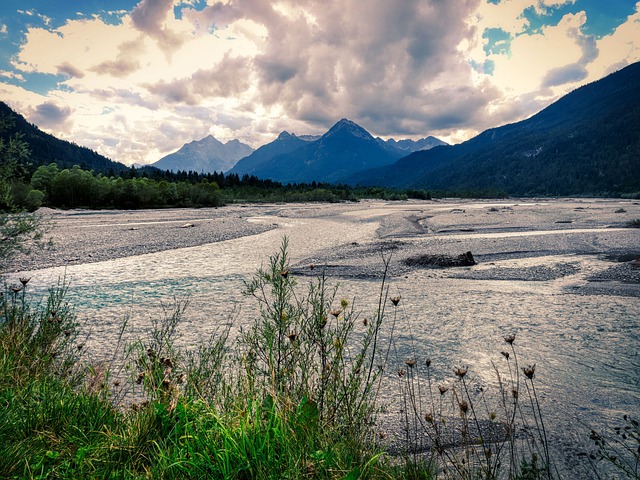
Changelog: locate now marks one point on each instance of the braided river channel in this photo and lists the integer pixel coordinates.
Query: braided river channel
(559, 274)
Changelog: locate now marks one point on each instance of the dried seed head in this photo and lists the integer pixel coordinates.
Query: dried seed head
(492, 416)
(344, 303)
(510, 338)
(151, 353)
(464, 406)
(411, 363)
(443, 389)
(395, 300)
(505, 355)
(67, 333)
(429, 418)
(461, 372)
(312, 266)
(292, 336)
(322, 322)
(335, 312)
(24, 280)
(365, 322)
(284, 273)
(16, 288)
(514, 393)
(382, 435)
(140, 378)
(529, 371)
(401, 372)
(427, 362)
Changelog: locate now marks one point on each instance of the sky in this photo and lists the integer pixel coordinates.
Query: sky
(136, 79)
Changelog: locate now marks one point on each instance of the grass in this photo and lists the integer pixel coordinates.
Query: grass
(295, 395)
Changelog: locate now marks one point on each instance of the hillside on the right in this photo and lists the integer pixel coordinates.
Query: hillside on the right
(586, 143)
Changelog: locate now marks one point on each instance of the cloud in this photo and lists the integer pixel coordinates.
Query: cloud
(50, 115)
(70, 70)
(151, 16)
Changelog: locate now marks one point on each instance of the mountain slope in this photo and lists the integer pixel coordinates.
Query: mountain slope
(343, 150)
(207, 155)
(46, 149)
(262, 156)
(588, 142)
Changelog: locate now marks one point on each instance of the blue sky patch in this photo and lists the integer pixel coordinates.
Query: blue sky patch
(498, 41)
(602, 17)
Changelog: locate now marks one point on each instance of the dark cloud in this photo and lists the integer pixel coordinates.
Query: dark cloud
(376, 63)
(562, 75)
(125, 63)
(228, 79)
(50, 115)
(574, 72)
(149, 16)
(68, 69)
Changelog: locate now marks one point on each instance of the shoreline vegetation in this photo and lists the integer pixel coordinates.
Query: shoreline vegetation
(293, 396)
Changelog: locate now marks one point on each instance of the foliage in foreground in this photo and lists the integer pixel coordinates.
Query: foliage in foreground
(292, 398)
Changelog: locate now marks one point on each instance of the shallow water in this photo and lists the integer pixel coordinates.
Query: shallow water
(586, 347)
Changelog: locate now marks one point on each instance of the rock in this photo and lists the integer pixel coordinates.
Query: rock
(635, 262)
(187, 225)
(442, 261)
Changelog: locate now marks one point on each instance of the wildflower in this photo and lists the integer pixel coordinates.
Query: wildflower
(529, 371)
(343, 303)
(492, 416)
(411, 363)
(464, 406)
(510, 338)
(461, 372)
(505, 355)
(443, 389)
(24, 280)
(395, 300)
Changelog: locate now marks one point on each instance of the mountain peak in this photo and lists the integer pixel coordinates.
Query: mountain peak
(285, 135)
(352, 128)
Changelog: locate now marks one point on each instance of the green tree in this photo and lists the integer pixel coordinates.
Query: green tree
(19, 231)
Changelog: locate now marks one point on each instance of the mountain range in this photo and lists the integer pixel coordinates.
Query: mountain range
(207, 155)
(343, 150)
